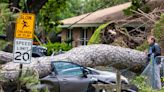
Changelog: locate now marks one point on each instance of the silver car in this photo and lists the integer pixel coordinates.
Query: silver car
(71, 77)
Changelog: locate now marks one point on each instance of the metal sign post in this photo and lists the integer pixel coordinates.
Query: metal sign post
(118, 82)
(22, 50)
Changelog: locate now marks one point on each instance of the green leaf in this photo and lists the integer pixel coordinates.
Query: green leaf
(95, 39)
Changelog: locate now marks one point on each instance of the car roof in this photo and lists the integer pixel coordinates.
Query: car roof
(66, 62)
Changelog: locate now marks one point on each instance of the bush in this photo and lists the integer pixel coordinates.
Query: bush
(6, 16)
(56, 47)
(143, 86)
(140, 82)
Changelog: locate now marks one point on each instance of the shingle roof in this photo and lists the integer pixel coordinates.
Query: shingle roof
(100, 16)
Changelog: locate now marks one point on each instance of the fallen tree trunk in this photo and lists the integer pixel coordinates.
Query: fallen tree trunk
(5, 57)
(91, 55)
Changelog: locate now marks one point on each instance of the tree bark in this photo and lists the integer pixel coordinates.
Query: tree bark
(5, 57)
(91, 55)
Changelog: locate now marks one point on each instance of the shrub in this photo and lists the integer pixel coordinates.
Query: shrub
(56, 47)
(143, 86)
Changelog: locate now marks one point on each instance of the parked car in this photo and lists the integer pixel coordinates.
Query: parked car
(71, 77)
(38, 51)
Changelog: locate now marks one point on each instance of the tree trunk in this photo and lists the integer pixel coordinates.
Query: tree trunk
(91, 55)
(5, 57)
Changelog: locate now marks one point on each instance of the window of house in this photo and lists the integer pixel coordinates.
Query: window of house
(84, 37)
(69, 36)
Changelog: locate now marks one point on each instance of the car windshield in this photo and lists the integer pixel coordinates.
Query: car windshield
(67, 69)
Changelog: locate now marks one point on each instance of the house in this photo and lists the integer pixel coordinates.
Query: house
(80, 28)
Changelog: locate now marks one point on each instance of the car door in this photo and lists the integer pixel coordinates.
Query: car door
(70, 77)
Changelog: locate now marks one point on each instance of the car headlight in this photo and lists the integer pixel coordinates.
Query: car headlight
(124, 80)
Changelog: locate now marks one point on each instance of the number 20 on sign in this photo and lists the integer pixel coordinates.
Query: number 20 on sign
(22, 51)
(23, 38)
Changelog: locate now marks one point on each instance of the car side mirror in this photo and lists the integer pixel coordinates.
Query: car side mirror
(53, 74)
(85, 72)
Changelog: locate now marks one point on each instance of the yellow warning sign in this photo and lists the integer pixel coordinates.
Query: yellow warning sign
(25, 26)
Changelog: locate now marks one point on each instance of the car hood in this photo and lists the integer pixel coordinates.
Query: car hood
(107, 76)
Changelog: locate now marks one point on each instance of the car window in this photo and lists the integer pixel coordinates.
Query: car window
(67, 69)
(72, 71)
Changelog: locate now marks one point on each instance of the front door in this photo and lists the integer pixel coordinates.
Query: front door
(70, 77)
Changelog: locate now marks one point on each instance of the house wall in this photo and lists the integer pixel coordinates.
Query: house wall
(76, 35)
(90, 32)
(64, 35)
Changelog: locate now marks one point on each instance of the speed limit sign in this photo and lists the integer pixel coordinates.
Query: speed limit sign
(23, 38)
(22, 51)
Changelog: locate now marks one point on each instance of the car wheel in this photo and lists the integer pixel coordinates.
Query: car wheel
(91, 89)
(102, 90)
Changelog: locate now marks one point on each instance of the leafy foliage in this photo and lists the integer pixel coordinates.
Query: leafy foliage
(137, 4)
(57, 47)
(95, 39)
(73, 8)
(78, 7)
(2, 46)
(50, 14)
(6, 16)
(93, 5)
(143, 46)
(140, 82)
(159, 27)
(29, 78)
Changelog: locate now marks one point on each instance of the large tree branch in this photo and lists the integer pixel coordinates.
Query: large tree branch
(5, 57)
(91, 55)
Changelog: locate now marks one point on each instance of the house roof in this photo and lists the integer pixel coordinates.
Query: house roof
(100, 16)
